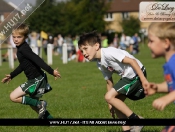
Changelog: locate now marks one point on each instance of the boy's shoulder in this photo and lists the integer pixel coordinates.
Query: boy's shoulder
(112, 50)
(23, 46)
(171, 61)
(109, 49)
(173, 58)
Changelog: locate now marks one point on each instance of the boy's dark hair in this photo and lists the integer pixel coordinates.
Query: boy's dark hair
(90, 38)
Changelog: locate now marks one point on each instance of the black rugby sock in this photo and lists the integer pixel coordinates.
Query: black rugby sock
(133, 116)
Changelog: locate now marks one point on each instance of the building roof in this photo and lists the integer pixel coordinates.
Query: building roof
(5, 7)
(125, 5)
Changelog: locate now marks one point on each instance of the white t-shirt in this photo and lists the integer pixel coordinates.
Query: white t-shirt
(111, 62)
(127, 40)
(60, 41)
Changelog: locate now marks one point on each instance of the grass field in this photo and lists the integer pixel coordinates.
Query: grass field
(80, 94)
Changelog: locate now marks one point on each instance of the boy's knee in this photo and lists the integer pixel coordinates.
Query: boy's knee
(108, 97)
(12, 98)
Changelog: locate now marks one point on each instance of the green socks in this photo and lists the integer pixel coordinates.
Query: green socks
(34, 102)
(30, 101)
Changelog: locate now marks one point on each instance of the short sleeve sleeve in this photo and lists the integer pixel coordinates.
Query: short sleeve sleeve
(116, 55)
(106, 74)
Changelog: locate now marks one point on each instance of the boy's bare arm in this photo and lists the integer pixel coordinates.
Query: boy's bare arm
(157, 88)
(162, 102)
(136, 67)
(170, 97)
(162, 87)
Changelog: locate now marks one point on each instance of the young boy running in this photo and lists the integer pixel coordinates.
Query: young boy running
(162, 44)
(133, 76)
(31, 64)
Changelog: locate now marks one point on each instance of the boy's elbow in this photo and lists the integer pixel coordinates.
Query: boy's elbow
(132, 62)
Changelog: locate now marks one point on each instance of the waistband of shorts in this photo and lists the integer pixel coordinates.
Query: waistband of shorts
(143, 69)
(38, 78)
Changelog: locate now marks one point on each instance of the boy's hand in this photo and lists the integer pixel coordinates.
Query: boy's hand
(7, 79)
(152, 89)
(56, 74)
(145, 85)
(160, 103)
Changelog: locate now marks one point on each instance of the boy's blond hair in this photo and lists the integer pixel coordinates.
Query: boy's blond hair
(21, 28)
(163, 30)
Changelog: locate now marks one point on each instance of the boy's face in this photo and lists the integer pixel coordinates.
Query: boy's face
(156, 45)
(89, 52)
(18, 39)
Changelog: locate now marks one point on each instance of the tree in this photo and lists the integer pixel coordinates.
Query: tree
(71, 17)
(83, 16)
(46, 18)
(130, 26)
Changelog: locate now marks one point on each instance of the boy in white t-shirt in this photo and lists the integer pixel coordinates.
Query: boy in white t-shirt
(133, 76)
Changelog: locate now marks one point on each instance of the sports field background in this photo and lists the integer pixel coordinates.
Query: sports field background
(80, 94)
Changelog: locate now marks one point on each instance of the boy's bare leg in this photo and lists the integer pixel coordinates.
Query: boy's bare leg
(16, 95)
(117, 103)
(122, 110)
(119, 114)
